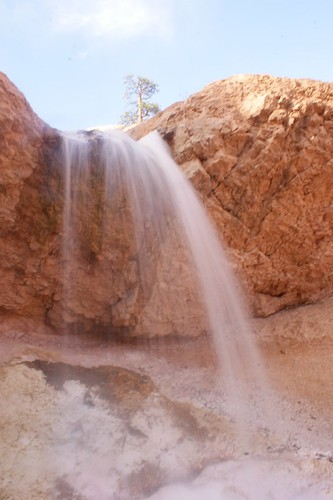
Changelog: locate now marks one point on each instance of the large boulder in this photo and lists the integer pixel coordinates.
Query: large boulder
(259, 150)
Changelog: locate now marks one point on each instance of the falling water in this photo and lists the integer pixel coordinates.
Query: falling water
(108, 173)
(142, 259)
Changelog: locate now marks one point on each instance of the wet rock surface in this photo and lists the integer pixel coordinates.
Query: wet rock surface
(100, 432)
(90, 280)
(81, 418)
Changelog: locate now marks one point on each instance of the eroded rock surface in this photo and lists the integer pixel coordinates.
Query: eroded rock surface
(29, 224)
(91, 277)
(259, 151)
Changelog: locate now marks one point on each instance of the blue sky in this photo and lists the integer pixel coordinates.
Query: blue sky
(69, 57)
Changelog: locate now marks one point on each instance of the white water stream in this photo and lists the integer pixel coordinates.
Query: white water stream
(160, 195)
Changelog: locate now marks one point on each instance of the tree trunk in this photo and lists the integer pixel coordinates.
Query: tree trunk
(140, 108)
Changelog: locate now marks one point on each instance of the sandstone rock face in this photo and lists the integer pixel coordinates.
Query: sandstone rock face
(86, 277)
(27, 227)
(259, 150)
(123, 266)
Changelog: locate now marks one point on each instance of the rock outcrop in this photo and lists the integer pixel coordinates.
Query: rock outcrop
(82, 280)
(26, 223)
(258, 150)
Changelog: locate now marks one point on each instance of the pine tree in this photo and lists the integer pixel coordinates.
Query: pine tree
(138, 91)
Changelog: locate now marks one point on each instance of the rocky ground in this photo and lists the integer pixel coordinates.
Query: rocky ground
(85, 419)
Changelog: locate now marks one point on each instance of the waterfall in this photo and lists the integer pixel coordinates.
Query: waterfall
(128, 207)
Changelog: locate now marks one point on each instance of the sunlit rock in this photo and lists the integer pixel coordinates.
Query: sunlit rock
(259, 151)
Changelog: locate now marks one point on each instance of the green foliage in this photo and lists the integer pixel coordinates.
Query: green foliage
(138, 91)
